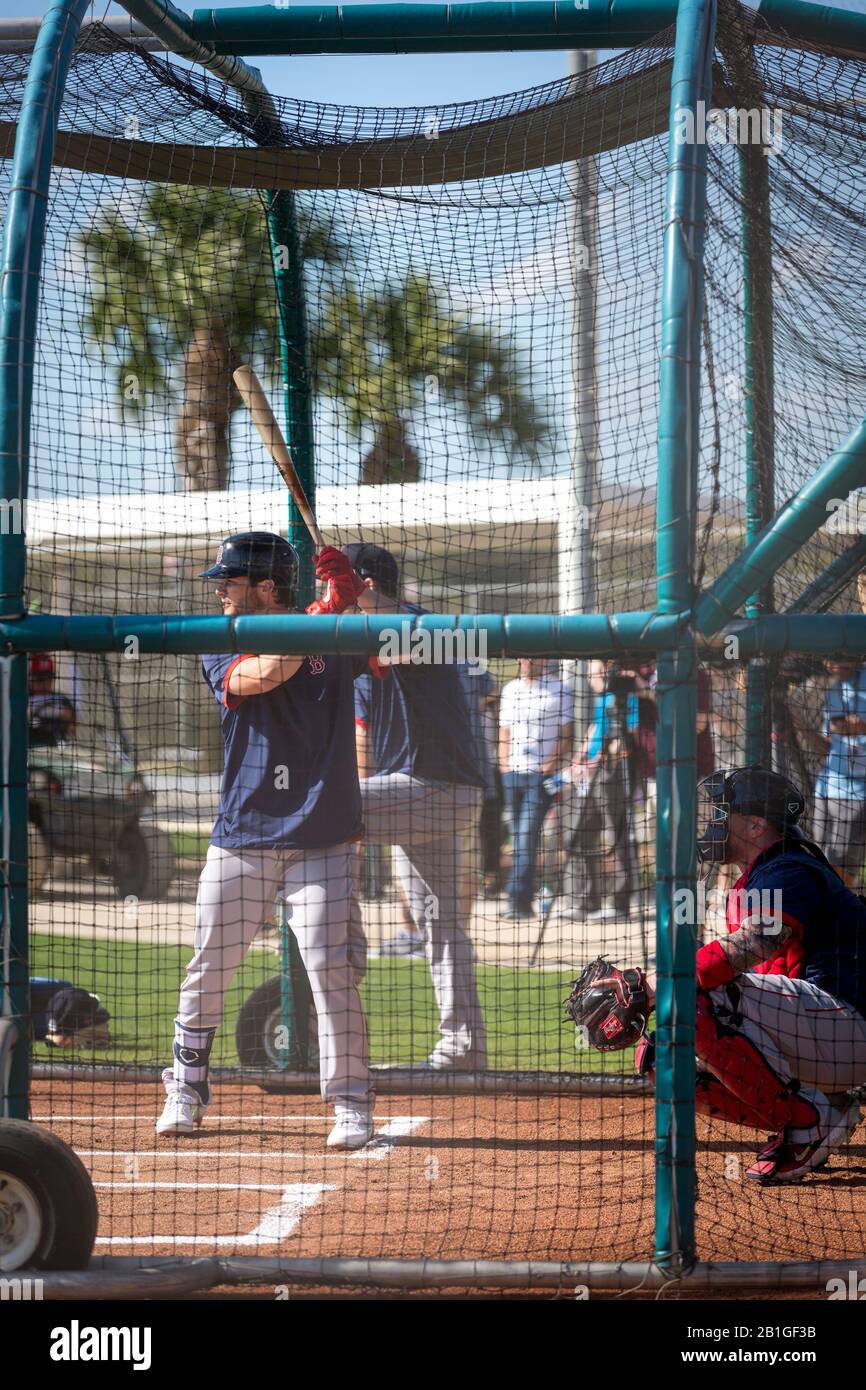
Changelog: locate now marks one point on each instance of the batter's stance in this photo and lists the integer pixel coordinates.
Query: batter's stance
(288, 822)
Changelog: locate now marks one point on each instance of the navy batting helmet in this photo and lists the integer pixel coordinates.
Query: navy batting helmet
(747, 791)
(256, 555)
(374, 562)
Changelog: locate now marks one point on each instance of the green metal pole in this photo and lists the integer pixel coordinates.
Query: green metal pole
(830, 583)
(801, 516)
(23, 241)
(679, 418)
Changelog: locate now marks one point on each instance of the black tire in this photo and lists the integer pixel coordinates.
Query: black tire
(144, 863)
(48, 1215)
(256, 1034)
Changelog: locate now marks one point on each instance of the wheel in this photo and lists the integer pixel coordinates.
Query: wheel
(38, 859)
(144, 863)
(257, 1035)
(48, 1210)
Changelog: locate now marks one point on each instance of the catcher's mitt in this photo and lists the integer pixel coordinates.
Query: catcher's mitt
(610, 1006)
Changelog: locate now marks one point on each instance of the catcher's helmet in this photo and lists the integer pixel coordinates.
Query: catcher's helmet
(256, 555)
(747, 791)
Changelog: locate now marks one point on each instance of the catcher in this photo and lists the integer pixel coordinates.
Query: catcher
(781, 1010)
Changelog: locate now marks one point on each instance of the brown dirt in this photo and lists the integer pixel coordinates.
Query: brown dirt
(556, 1178)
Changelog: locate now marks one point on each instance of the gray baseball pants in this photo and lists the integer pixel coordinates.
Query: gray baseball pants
(429, 823)
(236, 894)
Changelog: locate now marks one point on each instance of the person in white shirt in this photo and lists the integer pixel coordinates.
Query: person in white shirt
(534, 742)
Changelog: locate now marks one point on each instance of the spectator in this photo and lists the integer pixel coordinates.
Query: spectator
(51, 714)
(534, 738)
(601, 877)
(861, 590)
(729, 716)
(799, 747)
(481, 695)
(840, 791)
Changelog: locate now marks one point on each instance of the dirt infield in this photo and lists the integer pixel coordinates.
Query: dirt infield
(496, 1177)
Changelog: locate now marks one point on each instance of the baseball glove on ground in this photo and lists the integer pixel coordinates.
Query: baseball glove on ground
(610, 1006)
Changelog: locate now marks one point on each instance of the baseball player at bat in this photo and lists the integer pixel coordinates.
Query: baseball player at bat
(781, 1007)
(424, 797)
(288, 822)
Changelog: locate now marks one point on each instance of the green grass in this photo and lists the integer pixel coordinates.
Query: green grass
(191, 844)
(139, 984)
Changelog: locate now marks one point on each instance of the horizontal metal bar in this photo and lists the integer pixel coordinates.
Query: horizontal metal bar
(593, 1274)
(480, 27)
(495, 635)
(525, 634)
(410, 28)
(20, 35)
(389, 1079)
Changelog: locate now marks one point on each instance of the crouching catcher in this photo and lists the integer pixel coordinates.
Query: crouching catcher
(780, 1032)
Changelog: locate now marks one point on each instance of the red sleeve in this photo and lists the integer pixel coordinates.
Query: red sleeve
(232, 701)
(361, 723)
(713, 966)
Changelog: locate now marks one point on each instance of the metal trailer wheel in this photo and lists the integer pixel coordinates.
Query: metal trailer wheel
(48, 1211)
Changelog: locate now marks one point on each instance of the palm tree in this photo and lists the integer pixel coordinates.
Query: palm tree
(189, 283)
(383, 353)
(177, 296)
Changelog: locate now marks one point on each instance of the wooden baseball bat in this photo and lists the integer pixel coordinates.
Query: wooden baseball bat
(265, 422)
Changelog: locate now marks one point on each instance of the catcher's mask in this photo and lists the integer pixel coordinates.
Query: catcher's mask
(747, 791)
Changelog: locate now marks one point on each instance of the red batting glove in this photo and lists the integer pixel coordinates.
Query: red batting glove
(342, 584)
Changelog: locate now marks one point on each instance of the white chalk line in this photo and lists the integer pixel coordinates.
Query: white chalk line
(276, 1224)
(280, 1220)
(397, 1128)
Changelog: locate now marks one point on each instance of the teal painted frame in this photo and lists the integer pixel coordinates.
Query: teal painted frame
(483, 27)
(23, 241)
(670, 631)
(676, 694)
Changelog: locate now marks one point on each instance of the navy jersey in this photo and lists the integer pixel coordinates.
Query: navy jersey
(291, 777)
(418, 722)
(828, 921)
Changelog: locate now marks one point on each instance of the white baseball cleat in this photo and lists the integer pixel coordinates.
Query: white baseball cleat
(354, 1128)
(184, 1108)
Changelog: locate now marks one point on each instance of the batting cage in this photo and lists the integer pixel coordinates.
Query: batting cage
(317, 801)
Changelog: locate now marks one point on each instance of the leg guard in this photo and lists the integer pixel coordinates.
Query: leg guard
(192, 1056)
(712, 1100)
(735, 1061)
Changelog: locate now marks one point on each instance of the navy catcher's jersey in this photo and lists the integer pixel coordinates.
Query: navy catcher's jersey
(829, 919)
(291, 778)
(418, 722)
